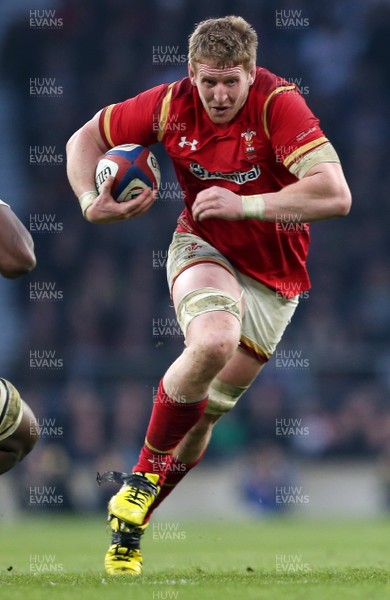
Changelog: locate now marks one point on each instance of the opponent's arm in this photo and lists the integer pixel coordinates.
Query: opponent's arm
(16, 245)
(321, 194)
(84, 149)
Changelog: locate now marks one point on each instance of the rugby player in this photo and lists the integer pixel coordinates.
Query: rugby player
(255, 168)
(18, 426)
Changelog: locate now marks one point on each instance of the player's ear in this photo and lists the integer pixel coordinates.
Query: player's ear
(191, 74)
(252, 75)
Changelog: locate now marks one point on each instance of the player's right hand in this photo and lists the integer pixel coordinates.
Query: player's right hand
(106, 210)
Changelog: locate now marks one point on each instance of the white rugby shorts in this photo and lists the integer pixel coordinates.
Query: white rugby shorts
(267, 312)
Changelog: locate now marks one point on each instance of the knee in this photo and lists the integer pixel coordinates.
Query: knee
(214, 348)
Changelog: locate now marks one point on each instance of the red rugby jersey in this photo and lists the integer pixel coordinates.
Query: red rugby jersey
(249, 155)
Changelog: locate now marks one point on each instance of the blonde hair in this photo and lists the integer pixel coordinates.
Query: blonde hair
(227, 41)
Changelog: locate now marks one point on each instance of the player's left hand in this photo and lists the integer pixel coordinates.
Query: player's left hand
(217, 203)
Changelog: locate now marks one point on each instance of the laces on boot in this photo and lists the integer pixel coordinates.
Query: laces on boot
(138, 483)
(112, 477)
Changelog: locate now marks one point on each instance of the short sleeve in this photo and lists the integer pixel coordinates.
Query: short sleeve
(135, 120)
(292, 128)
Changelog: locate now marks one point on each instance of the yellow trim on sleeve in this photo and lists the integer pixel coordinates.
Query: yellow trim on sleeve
(165, 107)
(303, 149)
(277, 90)
(106, 124)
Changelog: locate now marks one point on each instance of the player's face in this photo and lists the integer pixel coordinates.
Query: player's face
(222, 91)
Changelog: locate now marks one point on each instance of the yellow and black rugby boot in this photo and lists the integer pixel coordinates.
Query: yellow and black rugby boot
(137, 494)
(124, 555)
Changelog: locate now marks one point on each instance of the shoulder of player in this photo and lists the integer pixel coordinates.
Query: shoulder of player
(267, 87)
(182, 90)
(266, 84)
(152, 99)
(173, 103)
(177, 92)
(175, 89)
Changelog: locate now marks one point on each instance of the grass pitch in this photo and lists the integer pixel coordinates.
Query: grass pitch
(287, 559)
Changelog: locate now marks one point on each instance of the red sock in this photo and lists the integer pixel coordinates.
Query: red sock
(174, 473)
(169, 422)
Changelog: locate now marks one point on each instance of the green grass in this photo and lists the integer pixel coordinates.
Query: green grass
(287, 559)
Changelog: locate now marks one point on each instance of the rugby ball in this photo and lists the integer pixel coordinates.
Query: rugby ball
(133, 167)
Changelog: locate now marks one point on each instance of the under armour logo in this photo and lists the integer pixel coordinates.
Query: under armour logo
(184, 142)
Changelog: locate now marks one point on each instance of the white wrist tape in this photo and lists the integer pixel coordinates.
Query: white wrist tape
(4, 203)
(253, 206)
(86, 200)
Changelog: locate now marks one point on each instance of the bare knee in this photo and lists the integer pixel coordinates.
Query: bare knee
(213, 349)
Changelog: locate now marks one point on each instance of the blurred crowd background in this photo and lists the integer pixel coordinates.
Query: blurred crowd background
(107, 332)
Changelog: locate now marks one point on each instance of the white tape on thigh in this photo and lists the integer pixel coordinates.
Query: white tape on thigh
(205, 300)
(223, 397)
